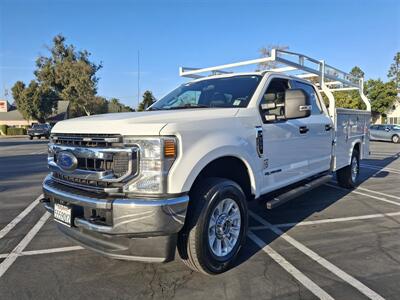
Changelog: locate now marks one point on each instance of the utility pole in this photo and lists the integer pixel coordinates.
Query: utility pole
(138, 78)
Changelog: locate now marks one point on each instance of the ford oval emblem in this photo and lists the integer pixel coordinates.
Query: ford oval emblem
(67, 161)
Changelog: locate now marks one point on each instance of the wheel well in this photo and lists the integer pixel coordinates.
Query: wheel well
(357, 148)
(228, 167)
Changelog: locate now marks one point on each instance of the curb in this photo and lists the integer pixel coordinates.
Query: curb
(12, 136)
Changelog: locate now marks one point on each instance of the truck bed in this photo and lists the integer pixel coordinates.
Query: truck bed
(352, 126)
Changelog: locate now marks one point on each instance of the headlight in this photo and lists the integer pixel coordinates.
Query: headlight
(156, 157)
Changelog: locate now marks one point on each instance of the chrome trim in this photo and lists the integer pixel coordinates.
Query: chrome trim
(82, 223)
(77, 199)
(94, 153)
(129, 216)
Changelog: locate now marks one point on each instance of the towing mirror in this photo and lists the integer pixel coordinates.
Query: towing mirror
(296, 104)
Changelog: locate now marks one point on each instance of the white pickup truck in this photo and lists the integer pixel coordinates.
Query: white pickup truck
(140, 185)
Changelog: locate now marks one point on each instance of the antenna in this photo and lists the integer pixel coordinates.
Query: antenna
(138, 78)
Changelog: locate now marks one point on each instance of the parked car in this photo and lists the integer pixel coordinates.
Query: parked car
(386, 132)
(39, 131)
(138, 186)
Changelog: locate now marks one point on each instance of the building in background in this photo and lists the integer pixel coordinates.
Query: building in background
(393, 116)
(10, 116)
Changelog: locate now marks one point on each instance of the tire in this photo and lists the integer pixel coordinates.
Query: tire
(206, 223)
(395, 139)
(31, 137)
(347, 177)
(39, 137)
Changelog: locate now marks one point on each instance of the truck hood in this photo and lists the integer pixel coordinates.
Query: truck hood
(139, 123)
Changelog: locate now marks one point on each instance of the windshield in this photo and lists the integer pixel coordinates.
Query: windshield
(218, 92)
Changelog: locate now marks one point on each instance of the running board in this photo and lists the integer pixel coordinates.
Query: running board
(285, 197)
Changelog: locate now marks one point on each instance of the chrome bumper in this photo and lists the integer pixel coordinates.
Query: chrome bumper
(133, 217)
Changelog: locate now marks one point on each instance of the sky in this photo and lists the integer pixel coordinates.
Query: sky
(190, 33)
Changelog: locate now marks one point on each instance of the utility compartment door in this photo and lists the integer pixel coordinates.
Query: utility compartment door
(352, 128)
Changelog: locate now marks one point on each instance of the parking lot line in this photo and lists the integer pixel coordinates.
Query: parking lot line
(364, 194)
(45, 251)
(379, 193)
(11, 257)
(390, 170)
(292, 270)
(322, 261)
(324, 221)
(18, 218)
(51, 250)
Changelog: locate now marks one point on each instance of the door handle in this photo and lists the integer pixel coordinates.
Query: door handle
(328, 127)
(303, 129)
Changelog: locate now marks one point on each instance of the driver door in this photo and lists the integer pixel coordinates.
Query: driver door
(285, 144)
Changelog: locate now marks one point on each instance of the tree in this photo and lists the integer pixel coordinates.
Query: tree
(351, 99)
(266, 52)
(381, 94)
(66, 74)
(394, 71)
(148, 99)
(71, 75)
(114, 106)
(36, 101)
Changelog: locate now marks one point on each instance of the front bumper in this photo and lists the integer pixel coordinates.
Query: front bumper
(136, 229)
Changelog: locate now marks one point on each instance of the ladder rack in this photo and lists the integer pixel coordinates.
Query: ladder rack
(330, 79)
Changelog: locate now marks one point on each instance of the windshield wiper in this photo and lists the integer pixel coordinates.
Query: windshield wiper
(188, 105)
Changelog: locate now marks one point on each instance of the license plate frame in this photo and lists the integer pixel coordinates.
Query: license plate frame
(63, 214)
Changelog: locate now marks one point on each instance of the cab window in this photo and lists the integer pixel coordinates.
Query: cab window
(316, 108)
(275, 94)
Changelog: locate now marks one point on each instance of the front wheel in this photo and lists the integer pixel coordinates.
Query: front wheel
(215, 228)
(347, 177)
(395, 139)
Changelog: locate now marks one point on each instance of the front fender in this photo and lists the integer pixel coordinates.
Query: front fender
(197, 151)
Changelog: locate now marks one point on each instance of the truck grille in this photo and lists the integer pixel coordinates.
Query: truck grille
(102, 163)
(83, 184)
(87, 140)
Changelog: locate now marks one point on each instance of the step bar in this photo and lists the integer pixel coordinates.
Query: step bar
(287, 196)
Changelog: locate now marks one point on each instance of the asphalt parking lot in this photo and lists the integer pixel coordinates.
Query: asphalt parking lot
(330, 243)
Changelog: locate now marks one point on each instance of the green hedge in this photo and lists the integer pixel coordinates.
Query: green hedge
(16, 131)
(3, 129)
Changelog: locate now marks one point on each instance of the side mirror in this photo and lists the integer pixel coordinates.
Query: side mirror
(296, 104)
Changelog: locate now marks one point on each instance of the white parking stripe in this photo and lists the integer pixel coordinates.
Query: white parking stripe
(379, 193)
(52, 250)
(360, 193)
(390, 170)
(334, 220)
(11, 257)
(292, 270)
(322, 261)
(18, 218)
(34, 153)
(46, 251)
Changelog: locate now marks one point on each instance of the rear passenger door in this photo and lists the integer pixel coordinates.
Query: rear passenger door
(320, 133)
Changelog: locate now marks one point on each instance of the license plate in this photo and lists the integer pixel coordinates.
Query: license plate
(62, 214)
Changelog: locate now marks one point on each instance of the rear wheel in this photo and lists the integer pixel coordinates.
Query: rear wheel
(215, 228)
(395, 139)
(347, 177)
(30, 137)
